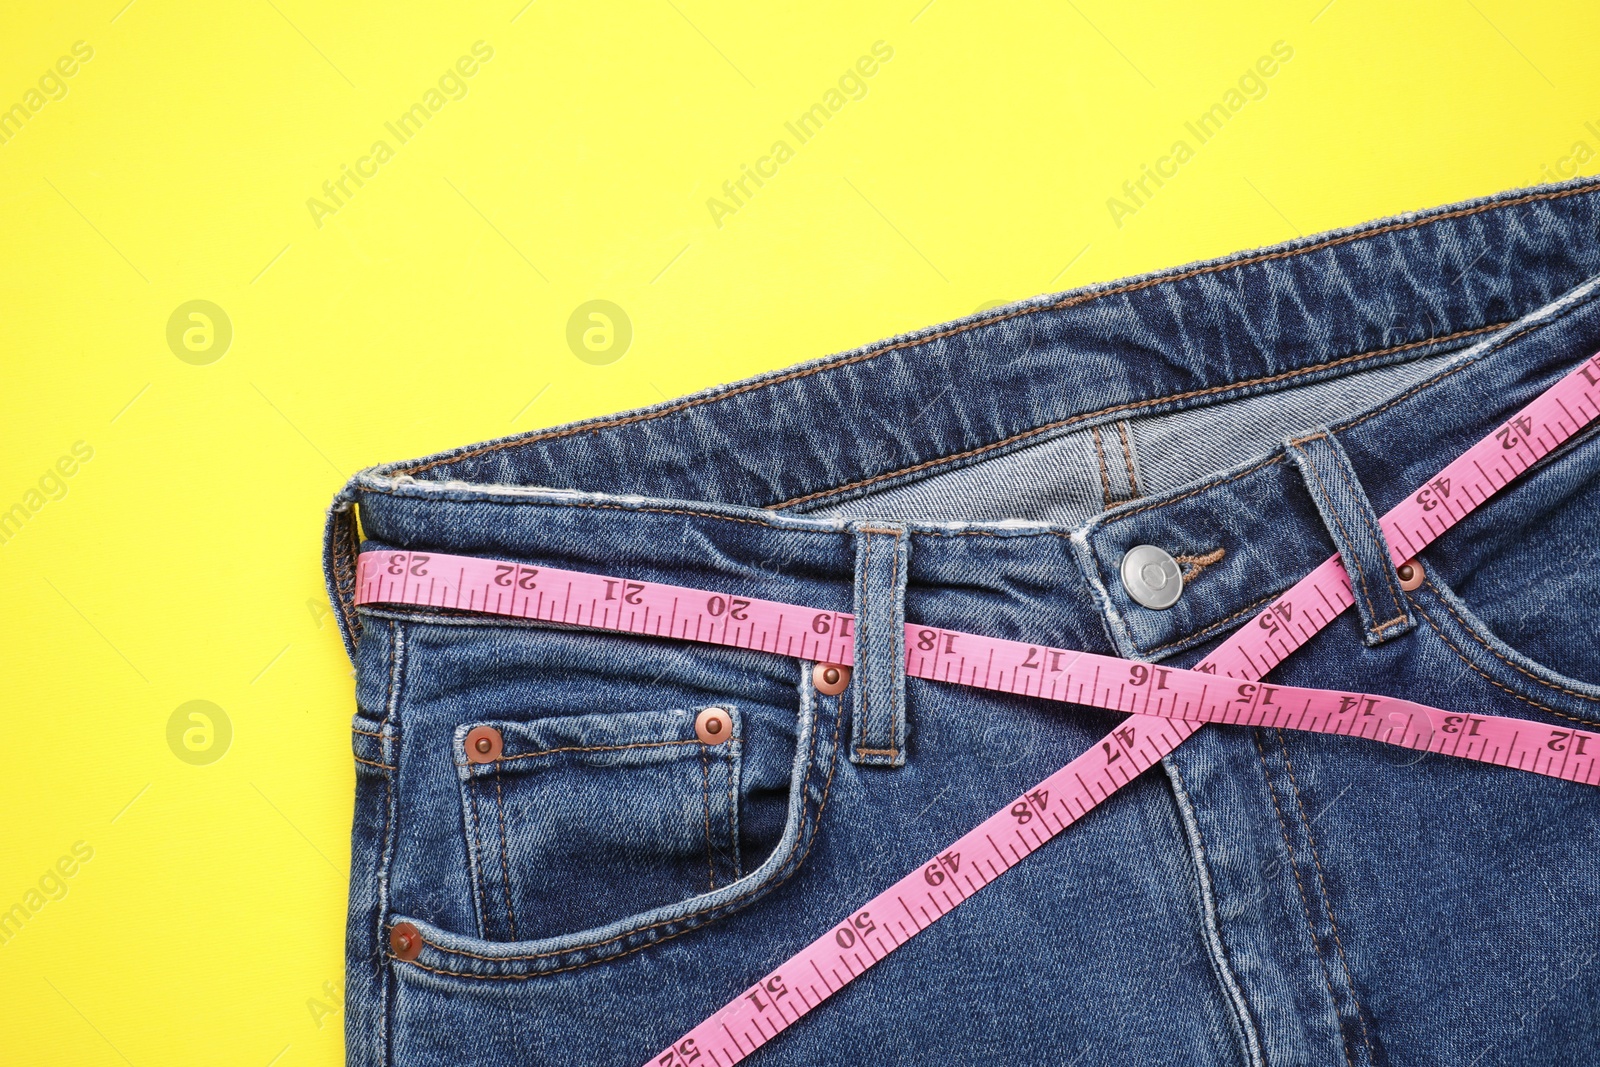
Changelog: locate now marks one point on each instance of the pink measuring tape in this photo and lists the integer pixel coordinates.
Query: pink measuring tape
(1166, 704)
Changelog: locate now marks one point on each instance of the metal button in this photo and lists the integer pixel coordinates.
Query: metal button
(405, 941)
(1410, 574)
(483, 744)
(713, 726)
(830, 678)
(1152, 577)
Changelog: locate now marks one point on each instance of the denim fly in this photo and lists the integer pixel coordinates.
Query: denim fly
(607, 878)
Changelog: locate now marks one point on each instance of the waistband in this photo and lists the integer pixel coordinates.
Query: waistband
(714, 490)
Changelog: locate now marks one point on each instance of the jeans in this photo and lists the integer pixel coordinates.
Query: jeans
(1262, 897)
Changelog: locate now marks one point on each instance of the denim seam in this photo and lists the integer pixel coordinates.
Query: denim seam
(1501, 685)
(370, 763)
(1111, 616)
(1358, 420)
(1501, 343)
(505, 850)
(525, 502)
(897, 684)
(587, 748)
(344, 571)
(833, 763)
(1139, 405)
(1156, 505)
(1193, 565)
(863, 622)
(1271, 460)
(1509, 663)
(705, 800)
(734, 851)
(1220, 624)
(1127, 457)
(1305, 904)
(896, 703)
(1391, 579)
(1129, 512)
(1344, 535)
(1327, 900)
(1105, 472)
(344, 578)
(478, 876)
(1244, 1022)
(1074, 300)
(391, 711)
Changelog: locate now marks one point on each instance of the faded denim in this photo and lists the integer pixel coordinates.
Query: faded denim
(1262, 898)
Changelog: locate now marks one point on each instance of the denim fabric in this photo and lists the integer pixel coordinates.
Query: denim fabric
(1354, 525)
(1261, 898)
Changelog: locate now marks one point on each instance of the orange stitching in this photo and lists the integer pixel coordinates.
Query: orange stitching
(864, 692)
(1442, 375)
(1305, 904)
(705, 800)
(1066, 302)
(1498, 684)
(1494, 652)
(1193, 565)
(505, 860)
(1127, 457)
(1327, 901)
(1136, 405)
(1311, 465)
(343, 562)
(367, 733)
(590, 748)
(735, 851)
(1261, 464)
(1242, 1010)
(1419, 387)
(388, 809)
(1392, 583)
(897, 701)
(833, 764)
(1120, 516)
(369, 763)
(1105, 472)
(1220, 624)
(477, 836)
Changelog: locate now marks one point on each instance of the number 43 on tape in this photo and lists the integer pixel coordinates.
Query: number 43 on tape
(1166, 705)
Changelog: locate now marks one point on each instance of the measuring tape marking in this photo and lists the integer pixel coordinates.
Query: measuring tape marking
(1001, 665)
(1137, 743)
(1272, 635)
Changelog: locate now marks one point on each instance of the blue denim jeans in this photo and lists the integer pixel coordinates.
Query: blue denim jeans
(1260, 898)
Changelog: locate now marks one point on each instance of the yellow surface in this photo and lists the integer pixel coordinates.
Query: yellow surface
(202, 918)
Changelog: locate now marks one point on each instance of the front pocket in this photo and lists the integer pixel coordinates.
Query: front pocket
(1471, 644)
(573, 822)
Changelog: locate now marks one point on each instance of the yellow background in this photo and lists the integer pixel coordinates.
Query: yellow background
(181, 562)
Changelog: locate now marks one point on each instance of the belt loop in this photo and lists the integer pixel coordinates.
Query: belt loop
(878, 730)
(1353, 524)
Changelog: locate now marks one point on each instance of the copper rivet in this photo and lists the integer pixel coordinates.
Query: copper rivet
(1410, 575)
(483, 744)
(713, 726)
(405, 941)
(830, 678)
